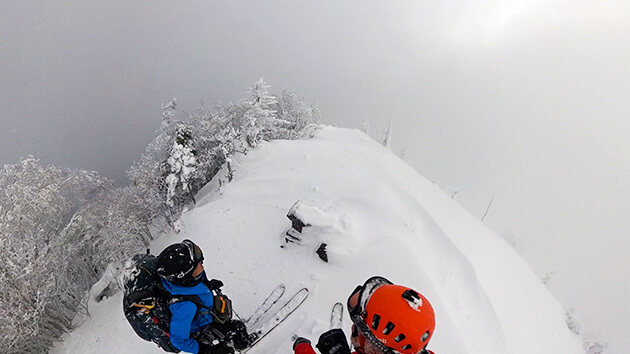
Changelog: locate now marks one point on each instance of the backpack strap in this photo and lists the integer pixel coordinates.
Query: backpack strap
(192, 298)
(172, 299)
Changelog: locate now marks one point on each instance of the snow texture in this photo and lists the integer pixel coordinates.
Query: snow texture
(378, 217)
(415, 304)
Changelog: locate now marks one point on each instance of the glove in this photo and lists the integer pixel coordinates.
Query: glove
(215, 284)
(300, 340)
(205, 349)
(333, 342)
(215, 349)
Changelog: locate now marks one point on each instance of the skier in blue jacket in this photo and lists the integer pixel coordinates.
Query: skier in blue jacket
(193, 328)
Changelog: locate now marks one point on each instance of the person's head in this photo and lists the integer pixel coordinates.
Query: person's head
(390, 318)
(181, 263)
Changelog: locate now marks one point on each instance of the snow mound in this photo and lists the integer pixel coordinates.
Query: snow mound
(378, 217)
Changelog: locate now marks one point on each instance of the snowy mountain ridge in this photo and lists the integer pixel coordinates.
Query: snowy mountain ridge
(377, 216)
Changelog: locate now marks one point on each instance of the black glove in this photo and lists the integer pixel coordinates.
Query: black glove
(333, 342)
(215, 284)
(300, 340)
(205, 349)
(221, 348)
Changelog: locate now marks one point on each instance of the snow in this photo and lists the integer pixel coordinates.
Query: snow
(378, 217)
(415, 304)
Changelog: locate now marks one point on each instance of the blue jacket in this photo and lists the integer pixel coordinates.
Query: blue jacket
(183, 320)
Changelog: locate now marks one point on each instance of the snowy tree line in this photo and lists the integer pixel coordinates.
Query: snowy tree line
(189, 152)
(61, 229)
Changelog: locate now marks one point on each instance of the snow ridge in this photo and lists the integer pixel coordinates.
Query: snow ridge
(378, 217)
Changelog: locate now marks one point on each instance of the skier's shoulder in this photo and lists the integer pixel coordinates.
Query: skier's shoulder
(200, 289)
(182, 308)
(186, 297)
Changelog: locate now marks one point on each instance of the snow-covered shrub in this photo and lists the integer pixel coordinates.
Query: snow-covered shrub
(293, 116)
(590, 345)
(108, 229)
(36, 306)
(103, 235)
(60, 229)
(272, 117)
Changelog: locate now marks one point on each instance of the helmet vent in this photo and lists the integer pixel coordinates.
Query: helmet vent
(425, 336)
(375, 321)
(413, 298)
(388, 329)
(399, 338)
(410, 295)
(406, 346)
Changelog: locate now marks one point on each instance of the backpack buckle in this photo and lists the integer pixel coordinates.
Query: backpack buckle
(144, 305)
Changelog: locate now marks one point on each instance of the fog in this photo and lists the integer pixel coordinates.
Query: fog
(521, 104)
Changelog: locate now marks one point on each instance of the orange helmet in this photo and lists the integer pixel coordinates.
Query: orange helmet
(398, 317)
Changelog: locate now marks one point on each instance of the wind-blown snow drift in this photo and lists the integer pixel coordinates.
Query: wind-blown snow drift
(378, 217)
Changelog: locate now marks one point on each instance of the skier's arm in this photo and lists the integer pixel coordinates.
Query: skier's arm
(302, 346)
(181, 321)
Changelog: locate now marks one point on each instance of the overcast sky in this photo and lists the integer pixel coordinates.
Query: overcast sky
(526, 102)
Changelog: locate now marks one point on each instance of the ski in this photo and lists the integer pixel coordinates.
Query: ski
(271, 300)
(287, 309)
(336, 316)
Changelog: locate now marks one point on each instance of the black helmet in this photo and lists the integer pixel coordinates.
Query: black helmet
(177, 262)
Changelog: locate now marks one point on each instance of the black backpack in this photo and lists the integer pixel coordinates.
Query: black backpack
(145, 302)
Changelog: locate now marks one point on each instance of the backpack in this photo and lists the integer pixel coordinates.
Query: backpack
(221, 310)
(146, 302)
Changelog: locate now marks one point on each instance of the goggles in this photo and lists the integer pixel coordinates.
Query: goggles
(356, 306)
(362, 293)
(195, 252)
(367, 333)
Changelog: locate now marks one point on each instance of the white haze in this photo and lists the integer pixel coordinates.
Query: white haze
(519, 102)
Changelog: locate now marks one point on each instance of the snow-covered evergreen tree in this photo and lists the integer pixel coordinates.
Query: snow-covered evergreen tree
(149, 174)
(260, 117)
(182, 164)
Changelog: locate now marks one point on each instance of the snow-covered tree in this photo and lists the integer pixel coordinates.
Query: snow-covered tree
(387, 137)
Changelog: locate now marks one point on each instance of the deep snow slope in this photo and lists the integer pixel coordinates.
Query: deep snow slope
(378, 217)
